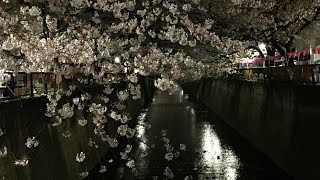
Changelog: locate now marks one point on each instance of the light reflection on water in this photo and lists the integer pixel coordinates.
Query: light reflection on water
(141, 130)
(210, 146)
(209, 154)
(216, 158)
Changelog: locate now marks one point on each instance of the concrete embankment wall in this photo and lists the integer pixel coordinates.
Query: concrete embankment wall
(281, 120)
(55, 157)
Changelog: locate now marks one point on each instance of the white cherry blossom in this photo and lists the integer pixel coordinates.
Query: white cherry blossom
(130, 163)
(103, 169)
(3, 152)
(80, 157)
(32, 142)
(82, 122)
(168, 173)
(22, 162)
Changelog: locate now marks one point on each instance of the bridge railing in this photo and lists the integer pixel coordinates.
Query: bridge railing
(28, 84)
(301, 74)
(39, 83)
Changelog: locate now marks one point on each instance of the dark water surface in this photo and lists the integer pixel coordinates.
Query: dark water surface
(213, 150)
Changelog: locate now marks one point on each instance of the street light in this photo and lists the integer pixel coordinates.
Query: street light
(117, 60)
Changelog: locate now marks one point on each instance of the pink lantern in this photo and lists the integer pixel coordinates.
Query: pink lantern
(305, 52)
(277, 58)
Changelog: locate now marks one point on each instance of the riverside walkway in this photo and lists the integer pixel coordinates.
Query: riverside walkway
(213, 149)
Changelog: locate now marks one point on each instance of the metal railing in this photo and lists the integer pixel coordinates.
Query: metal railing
(39, 83)
(301, 74)
(28, 84)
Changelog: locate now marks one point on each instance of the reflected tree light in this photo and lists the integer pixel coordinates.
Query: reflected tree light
(141, 130)
(233, 164)
(211, 146)
(141, 133)
(181, 95)
(218, 159)
(192, 111)
(117, 60)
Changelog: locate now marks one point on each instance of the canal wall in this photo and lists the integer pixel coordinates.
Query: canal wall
(281, 120)
(55, 157)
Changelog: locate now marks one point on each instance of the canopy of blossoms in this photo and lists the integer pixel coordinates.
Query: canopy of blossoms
(151, 36)
(162, 36)
(168, 39)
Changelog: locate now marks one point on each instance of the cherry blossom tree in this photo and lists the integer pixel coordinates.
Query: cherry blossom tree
(91, 41)
(276, 23)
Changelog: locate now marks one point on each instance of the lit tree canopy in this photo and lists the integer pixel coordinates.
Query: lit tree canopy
(151, 35)
(171, 40)
(87, 31)
(268, 20)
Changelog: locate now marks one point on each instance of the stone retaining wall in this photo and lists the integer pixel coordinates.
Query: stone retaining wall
(55, 157)
(281, 120)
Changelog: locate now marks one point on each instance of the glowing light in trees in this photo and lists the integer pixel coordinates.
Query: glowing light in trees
(117, 60)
